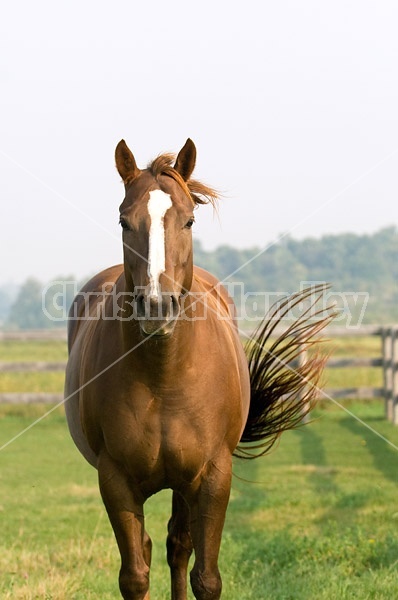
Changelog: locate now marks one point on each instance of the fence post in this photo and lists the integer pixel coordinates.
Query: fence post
(394, 372)
(387, 337)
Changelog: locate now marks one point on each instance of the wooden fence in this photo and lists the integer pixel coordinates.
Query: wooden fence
(387, 361)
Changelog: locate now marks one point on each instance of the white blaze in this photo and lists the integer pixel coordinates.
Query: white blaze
(158, 204)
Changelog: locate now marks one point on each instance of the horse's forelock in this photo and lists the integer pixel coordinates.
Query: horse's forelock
(197, 191)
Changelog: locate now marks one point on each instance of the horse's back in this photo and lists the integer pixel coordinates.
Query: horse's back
(215, 291)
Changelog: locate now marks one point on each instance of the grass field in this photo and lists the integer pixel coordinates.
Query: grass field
(317, 518)
(16, 351)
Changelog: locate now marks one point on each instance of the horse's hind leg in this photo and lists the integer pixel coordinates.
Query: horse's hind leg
(179, 547)
(125, 513)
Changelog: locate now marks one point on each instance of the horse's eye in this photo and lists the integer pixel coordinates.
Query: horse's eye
(124, 224)
(189, 224)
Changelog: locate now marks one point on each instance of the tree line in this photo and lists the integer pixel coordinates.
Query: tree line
(365, 265)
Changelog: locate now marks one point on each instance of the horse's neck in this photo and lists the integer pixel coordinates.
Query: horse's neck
(158, 356)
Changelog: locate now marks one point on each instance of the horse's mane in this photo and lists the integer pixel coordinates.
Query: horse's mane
(197, 191)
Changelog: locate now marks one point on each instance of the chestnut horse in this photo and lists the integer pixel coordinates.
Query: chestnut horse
(160, 393)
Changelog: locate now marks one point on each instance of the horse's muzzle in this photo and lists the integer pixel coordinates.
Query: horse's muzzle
(157, 315)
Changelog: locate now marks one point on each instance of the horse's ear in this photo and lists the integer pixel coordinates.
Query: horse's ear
(186, 159)
(125, 162)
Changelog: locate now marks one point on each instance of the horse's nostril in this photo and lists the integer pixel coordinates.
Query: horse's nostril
(140, 304)
(175, 307)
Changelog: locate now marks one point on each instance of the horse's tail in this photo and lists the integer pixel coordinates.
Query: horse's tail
(283, 387)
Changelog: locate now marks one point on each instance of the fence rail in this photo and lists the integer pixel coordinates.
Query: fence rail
(388, 361)
(31, 398)
(39, 335)
(24, 367)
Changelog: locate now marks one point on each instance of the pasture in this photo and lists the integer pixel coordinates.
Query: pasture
(316, 519)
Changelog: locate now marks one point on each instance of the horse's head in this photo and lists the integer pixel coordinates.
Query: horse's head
(156, 216)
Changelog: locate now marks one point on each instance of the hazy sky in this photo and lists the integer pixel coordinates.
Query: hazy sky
(293, 107)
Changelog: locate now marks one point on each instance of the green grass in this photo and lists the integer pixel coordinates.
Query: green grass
(317, 520)
(354, 346)
(358, 377)
(357, 347)
(52, 382)
(46, 350)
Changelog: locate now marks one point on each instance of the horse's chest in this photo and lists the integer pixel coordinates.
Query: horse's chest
(163, 446)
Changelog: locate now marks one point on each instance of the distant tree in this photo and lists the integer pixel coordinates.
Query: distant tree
(7, 294)
(349, 262)
(26, 312)
(39, 306)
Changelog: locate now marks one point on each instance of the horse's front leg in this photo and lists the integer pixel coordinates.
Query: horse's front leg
(179, 547)
(208, 508)
(125, 511)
